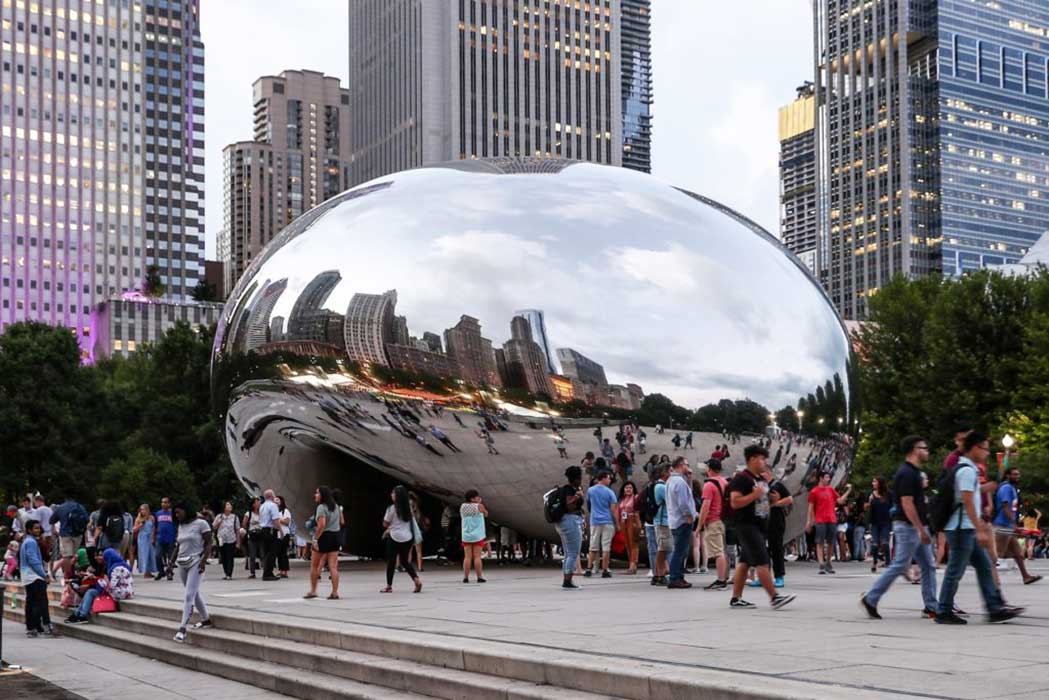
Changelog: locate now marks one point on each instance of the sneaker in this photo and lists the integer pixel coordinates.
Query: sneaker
(779, 601)
(662, 581)
(180, 636)
(32, 634)
(951, 619)
(929, 612)
(702, 569)
(690, 570)
(568, 585)
(960, 612)
(754, 584)
(606, 574)
(481, 580)
(871, 610)
(830, 569)
(778, 582)
(1006, 613)
(823, 570)
(78, 619)
(466, 579)
(681, 583)
(49, 631)
(588, 573)
(716, 585)
(740, 603)
(204, 624)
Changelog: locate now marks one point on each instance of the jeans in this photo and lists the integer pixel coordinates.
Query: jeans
(879, 542)
(571, 530)
(682, 536)
(963, 551)
(650, 539)
(908, 546)
(89, 598)
(164, 564)
(858, 543)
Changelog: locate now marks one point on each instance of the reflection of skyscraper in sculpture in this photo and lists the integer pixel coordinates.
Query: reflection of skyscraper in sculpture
(276, 329)
(576, 365)
(259, 319)
(628, 397)
(307, 320)
(537, 322)
(525, 361)
(400, 331)
(433, 341)
(471, 352)
(369, 327)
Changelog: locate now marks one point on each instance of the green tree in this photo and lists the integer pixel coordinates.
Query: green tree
(787, 418)
(144, 476)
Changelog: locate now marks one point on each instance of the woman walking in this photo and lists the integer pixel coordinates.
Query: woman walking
(252, 532)
(417, 548)
(472, 513)
(628, 514)
(283, 538)
(325, 542)
(225, 525)
(880, 522)
(145, 525)
(399, 537)
(192, 550)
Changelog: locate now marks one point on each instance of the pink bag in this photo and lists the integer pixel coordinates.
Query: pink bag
(68, 598)
(103, 604)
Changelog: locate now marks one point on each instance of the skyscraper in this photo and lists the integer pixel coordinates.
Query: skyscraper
(471, 352)
(308, 320)
(369, 327)
(576, 365)
(636, 59)
(259, 318)
(526, 363)
(101, 111)
(797, 177)
(434, 81)
(932, 138)
(299, 158)
(537, 326)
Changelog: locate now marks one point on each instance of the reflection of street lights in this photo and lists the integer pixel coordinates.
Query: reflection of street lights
(801, 420)
(1007, 442)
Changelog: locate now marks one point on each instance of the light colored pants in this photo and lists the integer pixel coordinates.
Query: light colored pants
(908, 546)
(571, 530)
(191, 577)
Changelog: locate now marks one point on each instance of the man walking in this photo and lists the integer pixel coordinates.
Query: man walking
(748, 496)
(72, 522)
(964, 529)
(164, 539)
(34, 581)
(681, 511)
(713, 527)
(910, 529)
(604, 521)
(823, 515)
(661, 523)
(1006, 525)
(269, 514)
(780, 502)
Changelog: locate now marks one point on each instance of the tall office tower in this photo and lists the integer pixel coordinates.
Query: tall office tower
(99, 102)
(932, 138)
(636, 59)
(299, 158)
(537, 326)
(471, 352)
(576, 365)
(308, 320)
(797, 177)
(435, 81)
(369, 327)
(526, 362)
(259, 318)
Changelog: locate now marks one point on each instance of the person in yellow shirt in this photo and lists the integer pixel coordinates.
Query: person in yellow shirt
(1030, 526)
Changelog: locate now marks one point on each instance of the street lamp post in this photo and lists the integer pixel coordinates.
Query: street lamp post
(1007, 443)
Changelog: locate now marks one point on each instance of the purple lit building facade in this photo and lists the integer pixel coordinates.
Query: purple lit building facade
(101, 155)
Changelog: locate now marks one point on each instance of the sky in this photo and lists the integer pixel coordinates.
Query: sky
(720, 72)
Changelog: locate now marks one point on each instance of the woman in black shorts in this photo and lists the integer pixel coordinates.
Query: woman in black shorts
(325, 543)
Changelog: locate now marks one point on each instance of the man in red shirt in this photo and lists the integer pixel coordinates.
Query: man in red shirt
(713, 528)
(822, 515)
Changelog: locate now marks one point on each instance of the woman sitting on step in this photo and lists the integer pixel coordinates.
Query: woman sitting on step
(117, 582)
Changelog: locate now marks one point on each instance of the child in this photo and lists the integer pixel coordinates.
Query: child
(11, 561)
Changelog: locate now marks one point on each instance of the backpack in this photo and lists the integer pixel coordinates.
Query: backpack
(114, 529)
(554, 507)
(943, 506)
(726, 502)
(648, 507)
(77, 521)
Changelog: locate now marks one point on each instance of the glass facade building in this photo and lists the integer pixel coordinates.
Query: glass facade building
(932, 138)
(636, 58)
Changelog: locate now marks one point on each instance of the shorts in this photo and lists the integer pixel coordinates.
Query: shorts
(714, 539)
(843, 527)
(67, 546)
(601, 537)
(478, 543)
(825, 532)
(753, 550)
(1003, 538)
(328, 542)
(664, 542)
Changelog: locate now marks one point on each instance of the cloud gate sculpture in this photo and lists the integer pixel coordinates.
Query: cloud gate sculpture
(455, 326)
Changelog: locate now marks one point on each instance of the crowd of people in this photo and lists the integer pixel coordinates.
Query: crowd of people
(734, 523)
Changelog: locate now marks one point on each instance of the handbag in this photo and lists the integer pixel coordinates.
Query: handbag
(416, 532)
(619, 542)
(68, 598)
(103, 604)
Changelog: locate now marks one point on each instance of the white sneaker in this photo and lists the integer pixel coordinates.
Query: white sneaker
(180, 636)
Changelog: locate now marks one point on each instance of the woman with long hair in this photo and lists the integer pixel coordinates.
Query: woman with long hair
(472, 513)
(629, 500)
(192, 550)
(225, 525)
(325, 542)
(880, 507)
(399, 537)
(144, 527)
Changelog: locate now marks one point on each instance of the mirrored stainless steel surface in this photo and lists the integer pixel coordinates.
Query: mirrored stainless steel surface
(441, 327)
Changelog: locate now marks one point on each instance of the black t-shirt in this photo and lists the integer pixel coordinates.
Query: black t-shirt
(567, 491)
(757, 511)
(778, 516)
(908, 482)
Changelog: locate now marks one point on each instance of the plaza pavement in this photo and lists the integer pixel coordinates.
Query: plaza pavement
(823, 639)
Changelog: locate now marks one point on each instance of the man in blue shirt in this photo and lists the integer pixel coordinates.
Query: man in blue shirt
(664, 543)
(269, 514)
(967, 538)
(1007, 509)
(164, 539)
(34, 580)
(604, 522)
(681, 511)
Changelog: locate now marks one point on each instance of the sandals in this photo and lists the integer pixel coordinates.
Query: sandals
(333, 596)
(310, 595)
(387, 589)
(1033, 579)
(418, 585)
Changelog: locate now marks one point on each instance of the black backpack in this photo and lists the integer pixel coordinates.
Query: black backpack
(554, 507)
(77, 520)
(114, 529)
(943, 507)
(649, 508)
